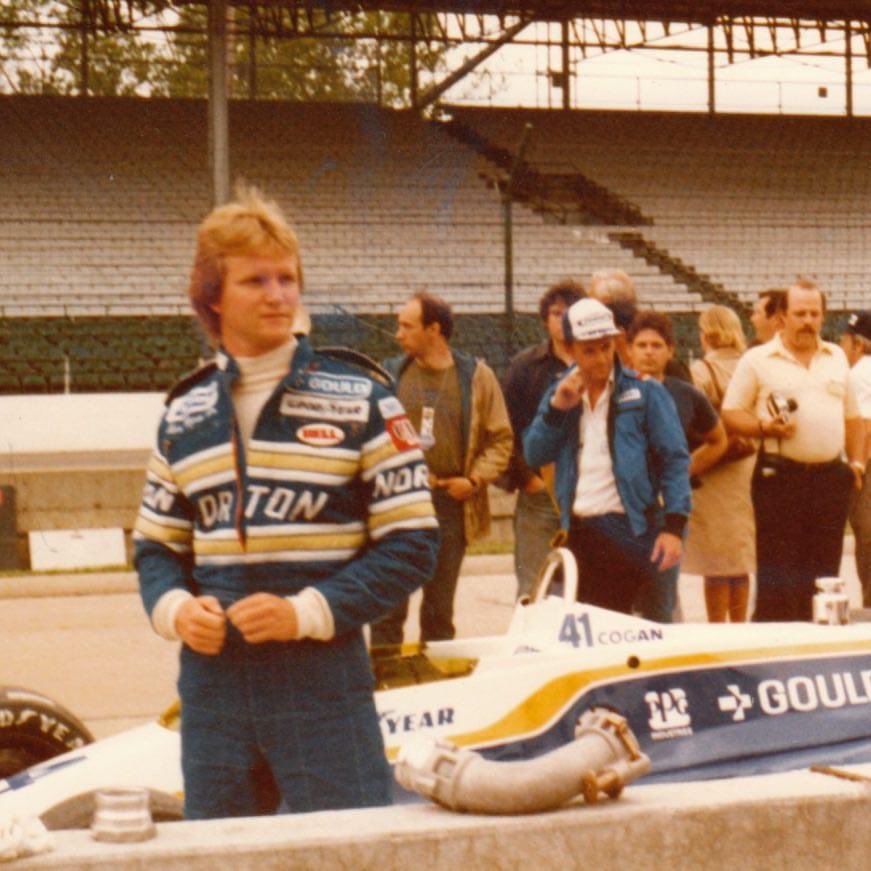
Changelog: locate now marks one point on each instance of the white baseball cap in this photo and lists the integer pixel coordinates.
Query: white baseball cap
(587, 320)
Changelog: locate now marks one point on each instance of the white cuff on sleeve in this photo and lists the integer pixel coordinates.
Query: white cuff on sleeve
(166, 610)
(313, 615)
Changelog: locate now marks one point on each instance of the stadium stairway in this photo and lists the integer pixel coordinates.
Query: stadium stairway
(685, 273)
(744, 201)
(572, 197)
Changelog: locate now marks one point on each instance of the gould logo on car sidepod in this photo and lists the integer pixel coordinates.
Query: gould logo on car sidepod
(798, 694)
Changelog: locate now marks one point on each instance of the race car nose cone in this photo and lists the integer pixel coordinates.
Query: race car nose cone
(122, 815)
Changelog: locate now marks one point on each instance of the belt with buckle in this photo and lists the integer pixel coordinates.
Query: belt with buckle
(797, 465)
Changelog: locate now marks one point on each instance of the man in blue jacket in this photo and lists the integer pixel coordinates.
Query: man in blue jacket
(622, 464)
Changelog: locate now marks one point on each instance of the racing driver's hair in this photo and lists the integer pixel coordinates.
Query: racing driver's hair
(249, 226)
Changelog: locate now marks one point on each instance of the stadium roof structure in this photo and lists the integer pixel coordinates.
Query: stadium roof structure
(650, 10)
(754, 28)
(700, 11)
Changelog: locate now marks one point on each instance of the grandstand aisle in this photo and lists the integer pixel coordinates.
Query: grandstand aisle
(749, 201)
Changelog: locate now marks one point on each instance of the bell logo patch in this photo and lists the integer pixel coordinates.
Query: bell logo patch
(320, 435)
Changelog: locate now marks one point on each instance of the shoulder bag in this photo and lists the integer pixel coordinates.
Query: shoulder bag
(739, 446)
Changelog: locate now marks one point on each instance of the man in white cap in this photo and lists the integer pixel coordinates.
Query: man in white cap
(622, 464)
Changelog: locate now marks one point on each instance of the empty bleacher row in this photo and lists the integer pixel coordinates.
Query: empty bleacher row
(750, 201)
(99, 200)
(59, 354)
(135, 353)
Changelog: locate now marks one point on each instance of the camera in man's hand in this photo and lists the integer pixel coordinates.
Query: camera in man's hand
(780, 407)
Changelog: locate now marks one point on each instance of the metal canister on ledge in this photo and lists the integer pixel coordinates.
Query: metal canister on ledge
(831, 603)
(122, 815)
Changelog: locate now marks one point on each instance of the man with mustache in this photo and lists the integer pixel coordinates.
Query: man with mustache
(794, 394)
(456, 406)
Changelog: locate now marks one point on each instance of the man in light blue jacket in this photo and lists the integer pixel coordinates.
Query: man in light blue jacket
(622, 464)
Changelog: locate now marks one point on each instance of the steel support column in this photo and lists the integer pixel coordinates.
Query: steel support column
(219, 134)
(712, 83)
(412, 59)
(567, 80)
(84, 59)
(848, 62)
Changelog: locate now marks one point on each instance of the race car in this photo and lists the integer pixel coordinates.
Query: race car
(701, 700)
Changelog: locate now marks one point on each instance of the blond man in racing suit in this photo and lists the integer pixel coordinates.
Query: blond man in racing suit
(286, 506)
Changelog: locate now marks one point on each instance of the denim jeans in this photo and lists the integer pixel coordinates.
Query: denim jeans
(535, 524)
(657, 599)
(437, 607)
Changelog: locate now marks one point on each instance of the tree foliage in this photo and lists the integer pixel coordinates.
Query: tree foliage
(174, 61)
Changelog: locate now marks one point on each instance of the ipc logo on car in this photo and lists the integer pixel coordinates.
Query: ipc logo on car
(669, 714)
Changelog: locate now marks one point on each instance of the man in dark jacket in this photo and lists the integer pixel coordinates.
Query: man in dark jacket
(530, 373)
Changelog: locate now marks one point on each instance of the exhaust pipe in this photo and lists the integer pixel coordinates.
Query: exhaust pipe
(603, 758)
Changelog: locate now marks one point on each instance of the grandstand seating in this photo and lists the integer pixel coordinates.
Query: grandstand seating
(750, 201)
(99, 353)
(99, 200)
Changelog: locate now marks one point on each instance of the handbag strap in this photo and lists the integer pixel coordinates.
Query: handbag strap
(717, 387)
(720, 394)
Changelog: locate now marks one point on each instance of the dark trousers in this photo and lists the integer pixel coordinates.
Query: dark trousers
(800, 511)
(437, 607)
(860, 520)
(613, 562)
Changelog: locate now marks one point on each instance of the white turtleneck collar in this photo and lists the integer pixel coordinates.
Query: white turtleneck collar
(258, 377)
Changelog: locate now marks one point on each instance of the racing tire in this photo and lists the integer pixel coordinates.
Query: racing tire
(77, 812)
(33, 728)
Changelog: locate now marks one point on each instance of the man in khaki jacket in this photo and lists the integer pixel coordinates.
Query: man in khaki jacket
(459, 413)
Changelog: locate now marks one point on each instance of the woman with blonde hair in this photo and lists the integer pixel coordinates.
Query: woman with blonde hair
(721, 536)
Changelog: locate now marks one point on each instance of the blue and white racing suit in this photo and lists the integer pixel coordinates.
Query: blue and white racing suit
(332, 494)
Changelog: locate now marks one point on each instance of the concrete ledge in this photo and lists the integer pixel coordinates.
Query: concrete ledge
(799, 820)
